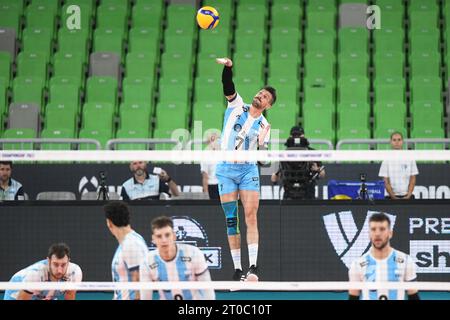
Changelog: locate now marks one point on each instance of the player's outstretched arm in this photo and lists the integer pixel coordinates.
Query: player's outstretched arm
(227, 78)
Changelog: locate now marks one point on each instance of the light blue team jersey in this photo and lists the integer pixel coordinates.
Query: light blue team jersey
(397, 267)
(39, 272)
(188, 265)
(240, 130)
(130, 254)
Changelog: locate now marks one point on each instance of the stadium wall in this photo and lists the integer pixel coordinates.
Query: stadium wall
(309, 241)
(432, 181)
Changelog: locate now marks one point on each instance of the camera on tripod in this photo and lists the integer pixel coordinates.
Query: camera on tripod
(103, 190)
(363, 193)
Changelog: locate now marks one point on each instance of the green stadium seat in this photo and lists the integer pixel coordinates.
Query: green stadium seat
(52, 5)
(71, 41)
(285, 39)
(389, 89)
(71, 65)
(28, 90)
(428, 133)
(5, 68)
(147, 15)
(64, 90)
(281, 121)
(389, 39)
(138, 90)
(423, 5)
(426, 89)
(425, 64)
(178, 43)
(177, 65)
(144, 41)
(102, 90)
(42, 15)
(140, 65)
(110, 16)
(180, 16)
(245, 63)
(171, 114)
(434, 107)
(108, 40)
(32, 65)
(130, 133)
(16, 4)
(392, 19)
(353, 39)
(353, 114)
(59, 116)
(85, 19)
(135, 116)
(214, 41)
(208, 89)
(353, 64)
(420, 19)
(424, 119)
(287, 90)
(320, 64)
(286, 15)
(207, 67)
(177, 92)
(354, 88)
(320, 40)
(250, 43)
(57, 134)
(424, 40)
(10, 17)
(85, 5)
(98, 116)
(385, 108)
(256, 19)
(321, 15)
(354, 133)
(319, 93)
(37, 40)
(390, 113)
(318, 124)
(97, 134)
(18, 134)
(209, 114)
(389, 64)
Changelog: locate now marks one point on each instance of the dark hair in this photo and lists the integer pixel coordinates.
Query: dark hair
(60, 250)
(273, 92)
(380, 217)
(395, 133)
(6, 163)
(118, 212)
(161, 222)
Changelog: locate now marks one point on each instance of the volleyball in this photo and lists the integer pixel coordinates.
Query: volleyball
(207, 17)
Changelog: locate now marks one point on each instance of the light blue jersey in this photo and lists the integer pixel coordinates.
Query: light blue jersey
(240, 130)
(397, 267)
(39, 272)
(130, 254)
(189, 264)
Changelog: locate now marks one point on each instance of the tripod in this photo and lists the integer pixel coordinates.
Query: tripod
(363, 194)
(103, 190)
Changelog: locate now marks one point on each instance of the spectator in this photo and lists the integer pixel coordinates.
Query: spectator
(298, 178)
(10, 189)
(208, 170)
(145, 186)
(399, 176)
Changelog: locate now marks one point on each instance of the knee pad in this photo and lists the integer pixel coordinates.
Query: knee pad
(232, 218)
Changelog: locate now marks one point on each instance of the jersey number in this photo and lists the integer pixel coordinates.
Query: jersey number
(241, 141)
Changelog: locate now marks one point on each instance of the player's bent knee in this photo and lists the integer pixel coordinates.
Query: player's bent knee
(231, 215)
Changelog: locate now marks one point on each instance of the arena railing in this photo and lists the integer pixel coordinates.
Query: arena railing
(373, 142)
(40, 141)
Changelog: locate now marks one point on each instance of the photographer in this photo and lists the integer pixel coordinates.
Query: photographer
(145, 186)
(298, 178)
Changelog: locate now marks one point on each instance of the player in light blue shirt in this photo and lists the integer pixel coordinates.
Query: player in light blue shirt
(173, 261)
(244, 128)
(131, 252)
(57, 267)
(382, 263)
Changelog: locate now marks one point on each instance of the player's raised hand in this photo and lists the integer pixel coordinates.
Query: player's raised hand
(225, 61)
(263, 134)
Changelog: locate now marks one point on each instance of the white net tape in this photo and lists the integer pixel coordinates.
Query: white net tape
(187, 156)
(228, 285)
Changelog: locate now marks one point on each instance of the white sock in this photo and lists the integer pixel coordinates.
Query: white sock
(253, 253)
(236, 255)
